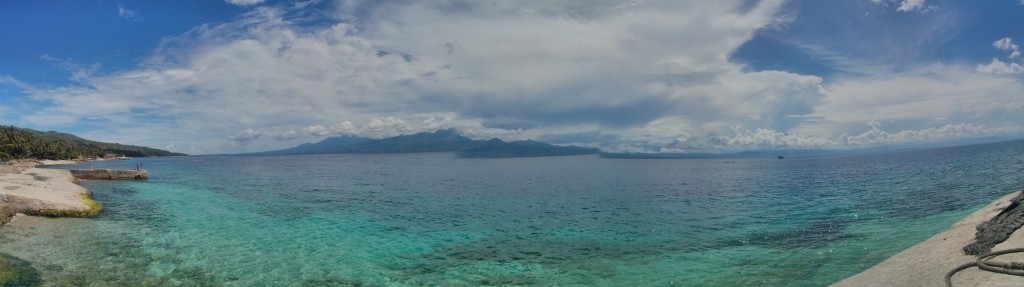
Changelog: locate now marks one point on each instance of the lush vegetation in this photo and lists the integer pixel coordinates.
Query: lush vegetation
(20, 143)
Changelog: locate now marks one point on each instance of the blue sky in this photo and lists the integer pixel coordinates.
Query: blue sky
(646, 76)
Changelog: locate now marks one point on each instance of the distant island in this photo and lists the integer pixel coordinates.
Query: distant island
(447, 140)
(742, 154)
(22, 143)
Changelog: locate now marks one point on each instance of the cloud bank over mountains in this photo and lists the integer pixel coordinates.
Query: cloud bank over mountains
(624, 76)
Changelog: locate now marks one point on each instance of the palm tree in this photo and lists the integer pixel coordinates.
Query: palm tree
(3, 155)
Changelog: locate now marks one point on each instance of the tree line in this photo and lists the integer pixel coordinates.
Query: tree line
(21, 143)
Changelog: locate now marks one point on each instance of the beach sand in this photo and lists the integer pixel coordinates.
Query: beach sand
(927, 263)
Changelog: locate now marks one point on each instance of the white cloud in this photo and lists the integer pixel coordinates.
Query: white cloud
(932, 99)
(344, 128)
(8, 80)
(1006, 44)
(906, 5)
(911, 5)
(876, 136)
(128, 14)
(768, 138)
(304, 4)
(1000, 67)
(247, 135)
(652, 76)
(551, 63)
(379, 128)
(244, 2)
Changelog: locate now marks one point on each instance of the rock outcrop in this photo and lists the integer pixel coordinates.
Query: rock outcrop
(45, 192)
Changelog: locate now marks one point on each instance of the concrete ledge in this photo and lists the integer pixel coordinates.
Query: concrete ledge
(109, 174)
(927, 263)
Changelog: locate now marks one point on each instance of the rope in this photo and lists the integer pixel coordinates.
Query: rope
(983, 263)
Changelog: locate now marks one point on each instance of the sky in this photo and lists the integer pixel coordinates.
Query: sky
(209, 77)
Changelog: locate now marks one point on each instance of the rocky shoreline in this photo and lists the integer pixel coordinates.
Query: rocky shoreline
(25, 189)
(29, 190)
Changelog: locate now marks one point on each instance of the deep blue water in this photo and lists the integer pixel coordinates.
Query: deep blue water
(434, 219)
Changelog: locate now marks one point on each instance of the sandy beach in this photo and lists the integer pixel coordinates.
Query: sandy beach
(926, 263)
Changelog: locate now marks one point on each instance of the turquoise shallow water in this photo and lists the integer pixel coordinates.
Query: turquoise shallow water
(434, 219)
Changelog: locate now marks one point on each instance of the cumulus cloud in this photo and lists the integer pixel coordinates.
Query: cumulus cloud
(1006, 44)
(247, 135)
(344, 128)
(910, 5)
(1000, 67)
(954, 101)
(648, 76)
(599, 64)
(567, 61)
(876, 136)
(768, 138)
(270, 76)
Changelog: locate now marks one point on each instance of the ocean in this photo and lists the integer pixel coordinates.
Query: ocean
(433, 219)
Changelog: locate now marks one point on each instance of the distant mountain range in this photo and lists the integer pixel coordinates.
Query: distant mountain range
(449, 140)
(439, 141)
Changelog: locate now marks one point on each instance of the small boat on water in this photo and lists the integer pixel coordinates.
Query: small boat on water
(780, 157)
(124, 158)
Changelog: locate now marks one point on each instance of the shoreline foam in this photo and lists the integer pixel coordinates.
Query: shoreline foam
(926, 263)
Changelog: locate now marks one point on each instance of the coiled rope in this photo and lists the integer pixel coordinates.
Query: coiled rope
(984, 263)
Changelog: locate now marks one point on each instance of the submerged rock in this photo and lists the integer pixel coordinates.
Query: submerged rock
(15, 272)
(6, 213)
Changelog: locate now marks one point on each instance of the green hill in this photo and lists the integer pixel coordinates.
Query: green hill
(21, 143)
